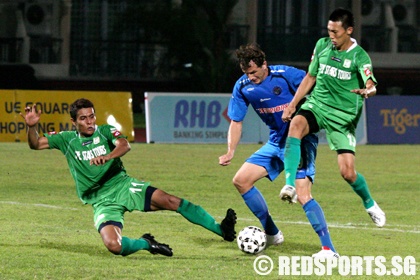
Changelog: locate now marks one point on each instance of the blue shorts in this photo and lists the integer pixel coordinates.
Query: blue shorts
(271, 157)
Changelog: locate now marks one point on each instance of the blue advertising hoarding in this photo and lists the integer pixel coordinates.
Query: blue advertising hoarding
(202, 118)
(393, 120)
(195, 118)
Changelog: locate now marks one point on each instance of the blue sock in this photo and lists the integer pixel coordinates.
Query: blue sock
(256, 203)
(317, 219)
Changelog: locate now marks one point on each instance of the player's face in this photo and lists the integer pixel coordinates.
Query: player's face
(339, 36)
(85, 122)
(256, 74)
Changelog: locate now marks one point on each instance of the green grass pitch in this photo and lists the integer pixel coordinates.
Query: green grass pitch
(46, 233)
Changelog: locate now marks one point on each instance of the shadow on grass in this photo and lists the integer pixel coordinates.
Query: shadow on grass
(91, 250)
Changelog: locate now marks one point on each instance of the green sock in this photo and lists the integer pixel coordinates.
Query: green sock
(197, 215)
(291, 159)
(361, 188)
(129, 246)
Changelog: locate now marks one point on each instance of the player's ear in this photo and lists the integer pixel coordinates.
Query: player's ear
(349, 30)
(264, 66)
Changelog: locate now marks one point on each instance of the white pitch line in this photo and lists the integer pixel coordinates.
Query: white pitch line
(395, 228)
(38, 205)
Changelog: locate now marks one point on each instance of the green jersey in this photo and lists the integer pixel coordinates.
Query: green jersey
(338, 72)
(93, 183)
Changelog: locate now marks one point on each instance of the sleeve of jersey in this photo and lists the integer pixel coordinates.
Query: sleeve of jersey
(314, 65)
(112, 133)
(56, 141)
(238, 106)
(365, 68)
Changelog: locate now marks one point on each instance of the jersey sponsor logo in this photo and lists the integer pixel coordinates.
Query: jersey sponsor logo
(96, 140)
(277, 90)
(367, 69)
(250, 89)
(90, 154)
(334, 72)
(347, 63)
(264, 99)
(272, 110)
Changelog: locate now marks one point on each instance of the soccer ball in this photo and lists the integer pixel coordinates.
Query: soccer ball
(251, 240)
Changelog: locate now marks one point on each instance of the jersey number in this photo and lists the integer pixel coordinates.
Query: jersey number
(352, 140)
(134, 190)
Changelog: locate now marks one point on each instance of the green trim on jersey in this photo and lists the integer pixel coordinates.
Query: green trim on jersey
(93, 183)
(338, 72)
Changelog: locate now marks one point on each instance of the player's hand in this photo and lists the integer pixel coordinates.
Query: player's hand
(288, 113)
(225, 159)
(365, 92)
(99, 160)
(31, 116)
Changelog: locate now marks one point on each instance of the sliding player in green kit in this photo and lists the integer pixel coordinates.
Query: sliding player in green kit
(341, 72)
(93, 154)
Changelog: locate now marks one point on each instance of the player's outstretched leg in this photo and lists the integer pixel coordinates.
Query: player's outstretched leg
(197, 215)
(156, 247)
(228, 225)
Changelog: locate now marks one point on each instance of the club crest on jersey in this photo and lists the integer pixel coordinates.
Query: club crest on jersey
(347, 63)
(96, 140)
(277, 90)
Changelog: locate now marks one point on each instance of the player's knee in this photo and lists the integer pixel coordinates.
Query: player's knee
(348, 176)
(113, 245)
(169, 202)
(240, 184)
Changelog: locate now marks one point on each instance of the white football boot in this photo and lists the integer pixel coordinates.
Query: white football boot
(275, 239)
(377, 215)
(326, 253)
(288, 193)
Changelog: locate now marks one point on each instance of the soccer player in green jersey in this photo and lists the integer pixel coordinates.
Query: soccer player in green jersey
(341, 76)
(94, 154)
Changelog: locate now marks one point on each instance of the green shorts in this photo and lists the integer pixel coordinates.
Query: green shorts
(131, 194)
(340, 127)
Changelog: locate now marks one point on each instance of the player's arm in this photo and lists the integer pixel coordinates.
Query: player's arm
(122, 146)
(234, 136)
(32, 117)
(303, 89)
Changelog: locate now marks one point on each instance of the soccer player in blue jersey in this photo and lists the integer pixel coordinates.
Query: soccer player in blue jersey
(93, 153)
(269, 89)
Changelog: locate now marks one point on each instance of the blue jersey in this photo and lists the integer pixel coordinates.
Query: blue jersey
(268, 99)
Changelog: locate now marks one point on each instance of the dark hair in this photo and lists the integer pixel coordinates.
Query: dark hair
(343, 15)
(249, 52)
(79, 104)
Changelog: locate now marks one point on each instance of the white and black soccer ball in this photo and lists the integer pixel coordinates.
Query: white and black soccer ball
(251, 240)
